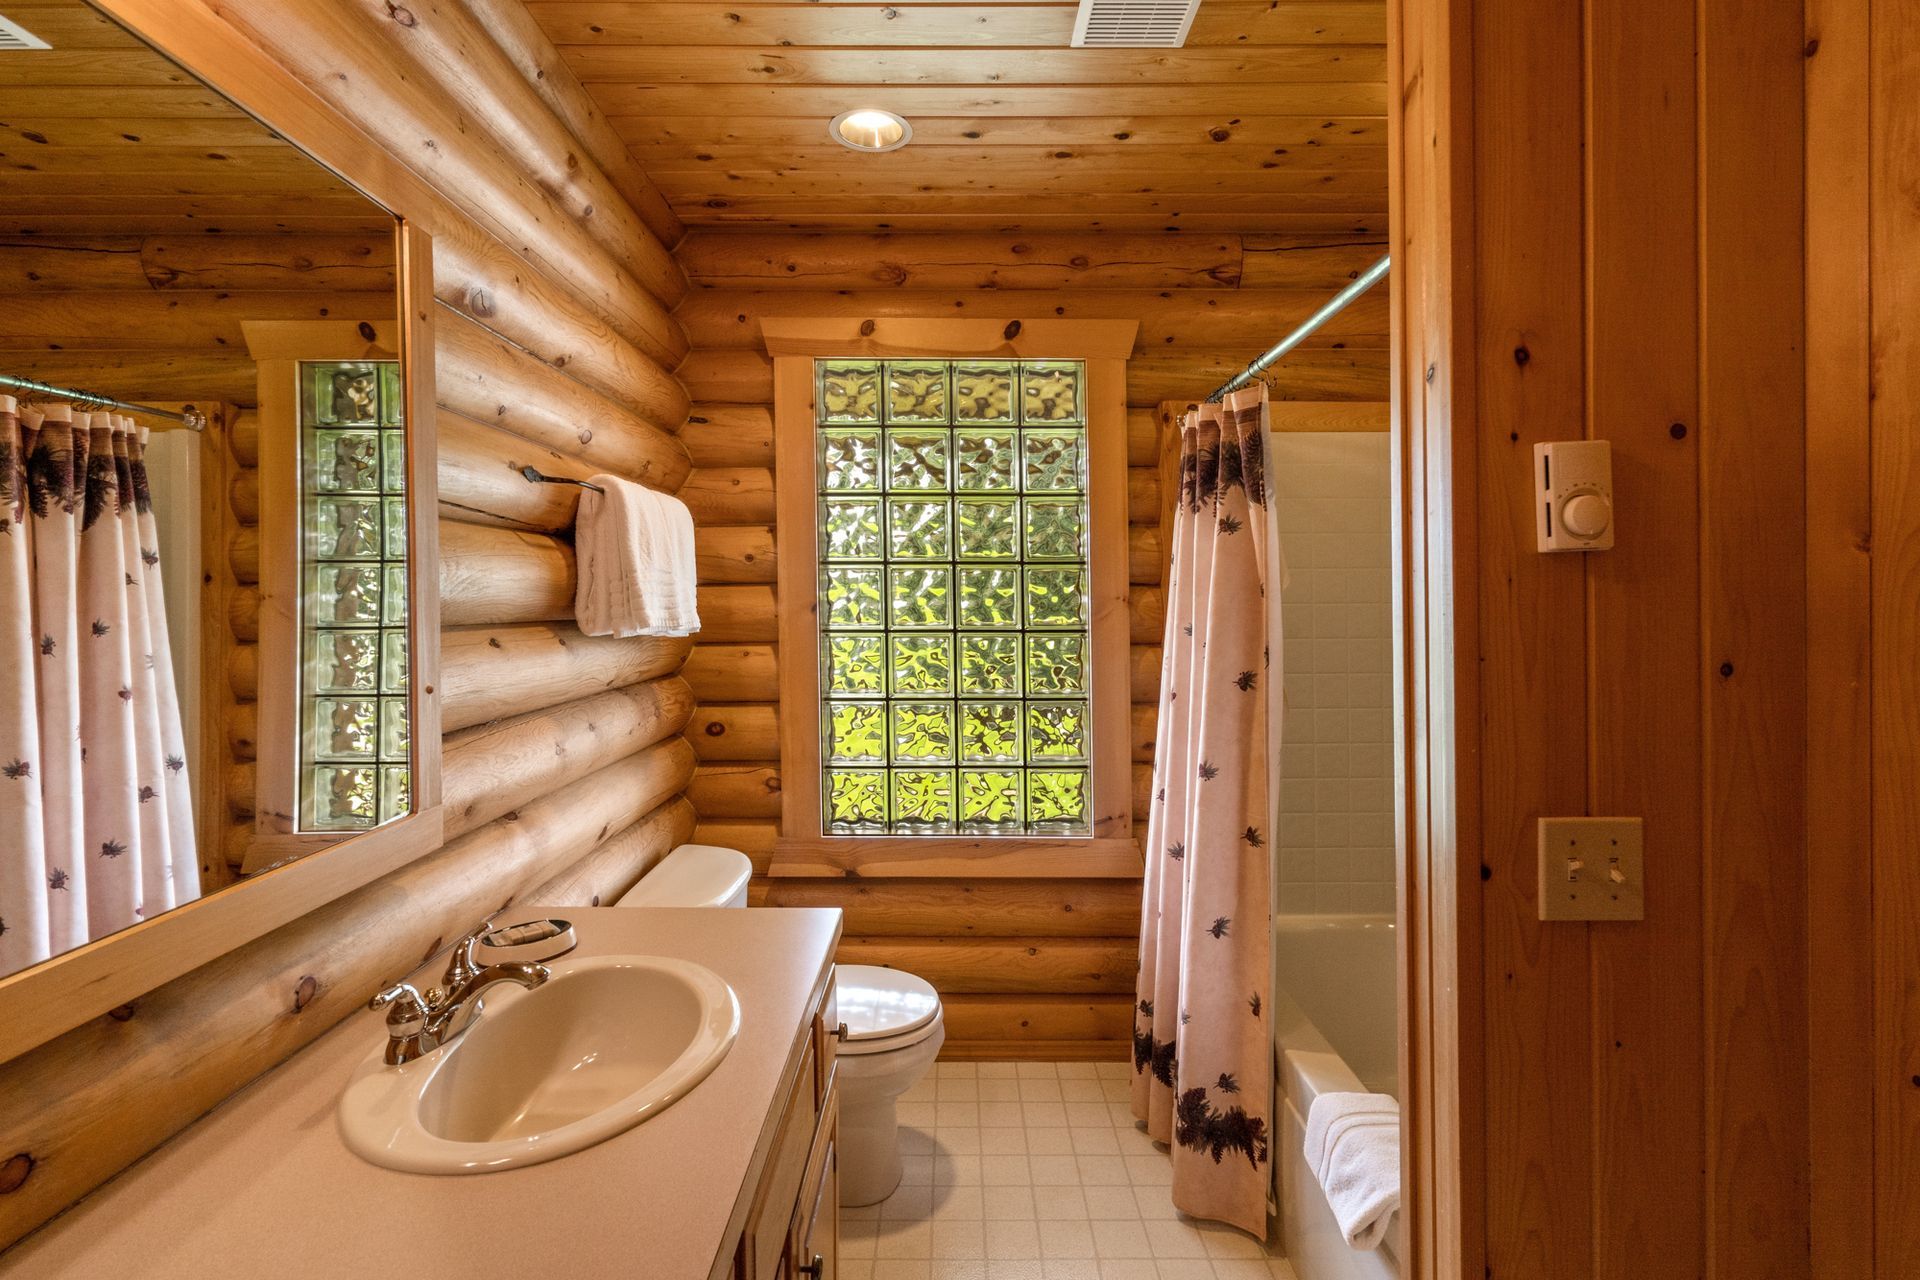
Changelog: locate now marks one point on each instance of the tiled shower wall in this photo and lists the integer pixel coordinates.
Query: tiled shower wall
(1336, 759)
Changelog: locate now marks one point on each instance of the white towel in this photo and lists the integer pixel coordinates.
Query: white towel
(635, 573)
(1353, 1148)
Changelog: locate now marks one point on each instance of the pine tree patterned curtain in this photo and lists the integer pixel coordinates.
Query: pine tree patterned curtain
(96, 820)
(1202, 1040)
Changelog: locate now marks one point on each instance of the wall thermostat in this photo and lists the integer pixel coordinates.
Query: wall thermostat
(1573, 495)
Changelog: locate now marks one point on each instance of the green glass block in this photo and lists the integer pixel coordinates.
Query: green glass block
(1050, 391)
(990, 799)
(393, 394)
(923, 733)
(395, 669)
(1054, 461)
(917, 391)
(989, 528)
(395, 525)
(345, 729)
(1056, 662)
(983, 391)
(393, 595)
(393, 461)
(922, 797)
(990, 663)
(1055, 529)
(989, 596)
(394, 739)
(343, 595)
(1056, 596)
(339, 394)
(852, 527)
(855, 663)
(918, 529)
(856, 732)
(920, 598)
(344, 661)
(856, 798)
(850, 459)
(990, 732)
(916, 460)
(922, 665)
(849, 391)
(1056, 732)
(985, 460)
(853, 597)
(344, 797)
(345, 528)
(396, 791)
(345, 461)
(1057, 800)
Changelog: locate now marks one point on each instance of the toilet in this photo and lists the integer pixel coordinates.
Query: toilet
(894, 1023)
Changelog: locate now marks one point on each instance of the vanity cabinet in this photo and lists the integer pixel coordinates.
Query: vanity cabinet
(793, 1225)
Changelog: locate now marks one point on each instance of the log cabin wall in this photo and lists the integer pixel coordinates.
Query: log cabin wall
(1042, 967)
(564, 766)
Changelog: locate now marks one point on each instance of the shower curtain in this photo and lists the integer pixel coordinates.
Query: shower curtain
(1202, 1043)
(96, 820)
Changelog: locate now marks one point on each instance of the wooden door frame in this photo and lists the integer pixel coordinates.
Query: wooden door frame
(1433, 467)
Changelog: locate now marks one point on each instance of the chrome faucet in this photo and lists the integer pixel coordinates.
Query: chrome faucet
(418, 1024)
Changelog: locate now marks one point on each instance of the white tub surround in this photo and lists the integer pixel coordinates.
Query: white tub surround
(264, 1186)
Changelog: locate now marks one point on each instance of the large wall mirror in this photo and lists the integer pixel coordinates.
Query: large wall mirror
(209, 657)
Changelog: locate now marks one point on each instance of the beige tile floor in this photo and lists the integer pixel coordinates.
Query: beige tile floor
(1035, 1171)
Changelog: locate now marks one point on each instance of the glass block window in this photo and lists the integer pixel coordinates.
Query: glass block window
(355, 753)
(954, 608)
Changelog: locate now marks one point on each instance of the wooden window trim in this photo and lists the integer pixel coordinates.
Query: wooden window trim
(801, 849)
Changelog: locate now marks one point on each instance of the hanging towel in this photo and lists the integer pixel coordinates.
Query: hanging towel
(636, 569)
(1353, 1148)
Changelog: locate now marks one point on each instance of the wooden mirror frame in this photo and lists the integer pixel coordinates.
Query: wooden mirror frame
(66, 990)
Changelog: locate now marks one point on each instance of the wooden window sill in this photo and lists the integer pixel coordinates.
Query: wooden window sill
(905, 857)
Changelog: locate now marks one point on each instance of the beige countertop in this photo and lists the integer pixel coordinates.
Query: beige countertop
(265, 1188)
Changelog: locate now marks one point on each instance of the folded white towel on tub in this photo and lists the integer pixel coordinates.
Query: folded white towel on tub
(1353, 1147)
(635, 562)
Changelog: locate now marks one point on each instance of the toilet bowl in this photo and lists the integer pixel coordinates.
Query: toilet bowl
(894, 1022)
(894, 1032)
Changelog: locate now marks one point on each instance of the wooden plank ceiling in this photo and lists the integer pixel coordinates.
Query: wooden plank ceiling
(101, 135)
(1271, 119)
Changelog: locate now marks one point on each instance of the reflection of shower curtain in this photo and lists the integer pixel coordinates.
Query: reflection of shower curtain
(96, 825)
(1203, 1047)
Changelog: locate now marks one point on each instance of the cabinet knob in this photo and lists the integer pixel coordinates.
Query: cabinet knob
(817, 1269)
(840, 1033)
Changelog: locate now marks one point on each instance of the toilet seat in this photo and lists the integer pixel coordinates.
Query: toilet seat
(884, 1009)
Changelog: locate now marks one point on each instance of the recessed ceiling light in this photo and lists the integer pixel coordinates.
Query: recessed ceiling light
(870, 129)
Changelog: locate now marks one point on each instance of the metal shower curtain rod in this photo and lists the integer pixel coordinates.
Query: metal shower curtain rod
(190, 420)
(1339, 302)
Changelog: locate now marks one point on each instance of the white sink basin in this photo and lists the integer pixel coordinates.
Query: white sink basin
(604, 1044)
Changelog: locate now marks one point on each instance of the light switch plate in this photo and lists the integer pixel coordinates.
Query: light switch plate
(1592, 869)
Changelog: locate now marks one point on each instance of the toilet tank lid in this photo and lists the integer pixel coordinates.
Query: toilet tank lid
(876, 1002)
(693, 875)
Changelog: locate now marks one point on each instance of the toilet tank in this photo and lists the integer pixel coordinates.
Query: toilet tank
(694, 875)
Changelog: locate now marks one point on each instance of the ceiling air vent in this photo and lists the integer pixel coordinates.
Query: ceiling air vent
(14, 36)
(1133, 24)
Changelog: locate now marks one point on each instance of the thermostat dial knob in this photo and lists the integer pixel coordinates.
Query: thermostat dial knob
(1586, 515)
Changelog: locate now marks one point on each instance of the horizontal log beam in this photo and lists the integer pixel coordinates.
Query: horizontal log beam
(243, 671)
(495, 576)
(729, 495)
(618, 864)
(735, 732)
(734, 553)
(729, 435)
(978, 966)
(487, 673)
(751, 836)
(480, 481)
(492, 769)
(733, 673)
(966, 908)
(735, 791)
(1039, 1019)
(304, 261)
(735, 614)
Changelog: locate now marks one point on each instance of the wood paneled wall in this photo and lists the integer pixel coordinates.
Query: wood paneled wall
(1028, 966)
(564, 764)
(1599, 232)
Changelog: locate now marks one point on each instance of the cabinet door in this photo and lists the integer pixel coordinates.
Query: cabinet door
(815, 1252)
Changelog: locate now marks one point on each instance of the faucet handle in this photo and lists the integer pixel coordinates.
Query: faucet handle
(406, 1009)
(461, 964)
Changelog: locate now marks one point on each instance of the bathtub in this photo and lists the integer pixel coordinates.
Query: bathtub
(1335, 1031)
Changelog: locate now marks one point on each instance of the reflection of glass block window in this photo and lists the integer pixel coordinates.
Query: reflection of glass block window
(355, 749)
(953, 547)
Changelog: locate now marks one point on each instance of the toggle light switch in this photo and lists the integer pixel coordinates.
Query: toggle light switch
(1592, 869)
